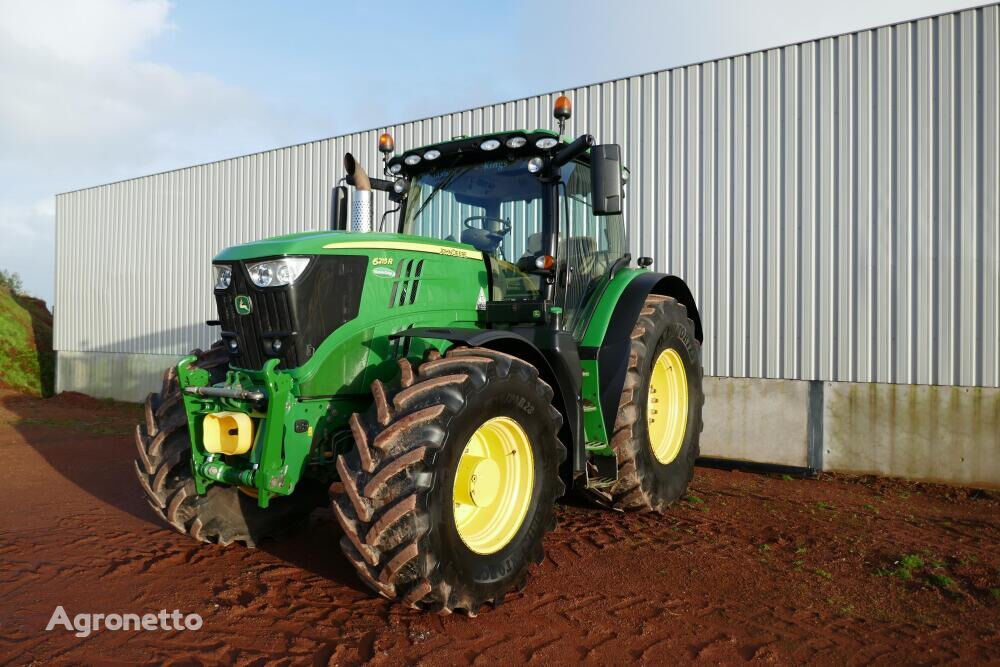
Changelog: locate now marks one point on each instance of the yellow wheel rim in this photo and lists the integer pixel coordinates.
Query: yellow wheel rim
(667, 406)
(493, 485)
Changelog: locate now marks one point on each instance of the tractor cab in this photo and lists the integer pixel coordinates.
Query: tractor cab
(526, 203)
(545, 213)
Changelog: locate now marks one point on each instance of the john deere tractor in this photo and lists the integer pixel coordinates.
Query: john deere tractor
(441, 375)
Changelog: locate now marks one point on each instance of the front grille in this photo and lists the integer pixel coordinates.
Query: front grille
(301, 316)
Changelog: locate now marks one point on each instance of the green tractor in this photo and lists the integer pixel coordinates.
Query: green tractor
(443, 383)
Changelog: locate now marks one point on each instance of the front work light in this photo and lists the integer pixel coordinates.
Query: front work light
(516, 142)
(411, 160)
(545, 143)
(490, 145)
(277, 272)
(223, 276)
(432, 154)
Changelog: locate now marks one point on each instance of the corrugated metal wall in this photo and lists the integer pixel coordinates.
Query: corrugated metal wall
(833, 204)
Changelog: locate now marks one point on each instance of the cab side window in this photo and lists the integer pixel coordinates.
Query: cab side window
(588, 246)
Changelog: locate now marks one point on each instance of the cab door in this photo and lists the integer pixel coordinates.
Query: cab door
(589, 245)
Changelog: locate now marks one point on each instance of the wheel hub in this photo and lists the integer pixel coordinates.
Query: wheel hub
(667, 406)
(493, 485)
(477, 482)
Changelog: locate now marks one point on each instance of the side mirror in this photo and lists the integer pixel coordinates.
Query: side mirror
(606, 179)
(338, 208)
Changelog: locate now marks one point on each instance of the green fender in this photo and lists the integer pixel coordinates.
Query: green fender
(605, 345)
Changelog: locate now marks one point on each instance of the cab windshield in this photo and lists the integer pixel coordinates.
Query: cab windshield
(495, 207)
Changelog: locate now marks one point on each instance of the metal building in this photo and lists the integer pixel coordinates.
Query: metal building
(833, 205)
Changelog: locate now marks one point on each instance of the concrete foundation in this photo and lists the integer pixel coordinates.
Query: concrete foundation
(123, 377)
(764, 421)
(920, 432)
(947, 434)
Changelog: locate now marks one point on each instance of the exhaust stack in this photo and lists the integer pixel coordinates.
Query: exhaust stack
(362, 205)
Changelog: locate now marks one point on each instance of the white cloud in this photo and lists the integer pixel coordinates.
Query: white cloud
(81, 105)
(82, 32)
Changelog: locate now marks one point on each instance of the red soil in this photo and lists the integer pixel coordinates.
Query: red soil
(749, 568)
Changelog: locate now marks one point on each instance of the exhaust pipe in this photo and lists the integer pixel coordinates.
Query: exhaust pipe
(362, 206)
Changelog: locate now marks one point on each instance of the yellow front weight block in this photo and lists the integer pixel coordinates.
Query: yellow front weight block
(227, 433)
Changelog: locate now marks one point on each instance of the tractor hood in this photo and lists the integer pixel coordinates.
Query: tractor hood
(357, 290)
(338, 242)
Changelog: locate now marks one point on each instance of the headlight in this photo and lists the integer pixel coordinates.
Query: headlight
(535, 165)
(545, 143)
(277, 272)
(223, 276)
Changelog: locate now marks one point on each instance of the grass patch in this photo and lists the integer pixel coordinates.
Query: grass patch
(787, 478)
(694, 500)
(995, 592)
(903, 568)
(940, 580)
(915, 566)
(824, 505)
(26, 344)
(824, 574)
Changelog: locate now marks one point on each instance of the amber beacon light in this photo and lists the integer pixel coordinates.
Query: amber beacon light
(562, 110)
(385, 143)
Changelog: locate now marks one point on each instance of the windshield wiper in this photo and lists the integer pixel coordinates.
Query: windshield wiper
(447, 181)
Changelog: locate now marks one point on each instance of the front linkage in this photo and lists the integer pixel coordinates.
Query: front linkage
(260, 436)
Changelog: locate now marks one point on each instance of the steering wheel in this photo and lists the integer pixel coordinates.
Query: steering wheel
(505, 225)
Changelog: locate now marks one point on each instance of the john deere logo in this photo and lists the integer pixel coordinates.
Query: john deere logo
(244, 306)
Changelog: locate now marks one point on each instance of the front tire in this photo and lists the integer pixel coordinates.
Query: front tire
(163, 467)
(658, 428)
(426, 455)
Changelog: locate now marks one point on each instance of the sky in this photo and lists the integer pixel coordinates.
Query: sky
(101, 90)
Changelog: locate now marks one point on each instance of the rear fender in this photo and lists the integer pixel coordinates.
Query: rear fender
(607, 341)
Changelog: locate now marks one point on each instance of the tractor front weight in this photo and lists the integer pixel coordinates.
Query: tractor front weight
(282, 430)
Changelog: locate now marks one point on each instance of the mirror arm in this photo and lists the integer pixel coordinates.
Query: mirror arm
(580, 146)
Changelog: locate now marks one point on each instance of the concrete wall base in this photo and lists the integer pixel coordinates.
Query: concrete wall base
(932, 433)
(929, 433)
(120, 376)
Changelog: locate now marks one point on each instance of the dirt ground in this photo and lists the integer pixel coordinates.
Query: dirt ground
(749, 567)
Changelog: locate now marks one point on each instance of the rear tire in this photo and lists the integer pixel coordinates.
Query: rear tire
(646, 482)
(397, 501)
(163, 466)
